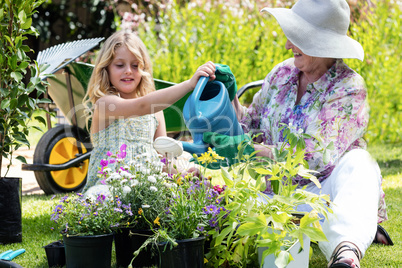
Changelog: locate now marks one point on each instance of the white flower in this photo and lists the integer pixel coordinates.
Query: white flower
(152, 179)
(126, 190)
(134, 183)
(145, 206)
(300, 131)
(125, 174)
(93, 192)
(123, 181)
(153, 188)
(107, 170)
(114, 176)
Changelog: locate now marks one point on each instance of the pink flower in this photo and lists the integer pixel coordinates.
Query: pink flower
(122, 153)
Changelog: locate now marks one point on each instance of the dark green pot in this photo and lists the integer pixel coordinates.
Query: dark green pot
(88, 251)
(189, 253)
(10, 210)
(128, 240)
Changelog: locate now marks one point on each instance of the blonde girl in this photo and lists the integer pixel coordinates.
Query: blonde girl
(123, 104)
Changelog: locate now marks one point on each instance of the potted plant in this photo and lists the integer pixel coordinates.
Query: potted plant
(192, 211)
(17, 104)
(143, 186)
(262, 228)
(87, 224)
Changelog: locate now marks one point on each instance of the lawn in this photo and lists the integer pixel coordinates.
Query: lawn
(37, 225)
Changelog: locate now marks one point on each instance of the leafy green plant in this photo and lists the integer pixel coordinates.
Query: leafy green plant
(256, 220)
(18, 100)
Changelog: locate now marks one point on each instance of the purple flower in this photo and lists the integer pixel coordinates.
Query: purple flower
(164, 160)
(210, 210)
(112, 161)
(56, 212)
(104, 163)
(95, 213)
(200, 228)
(213, 222)
(101, 198)
(109, 153)
(118, 210)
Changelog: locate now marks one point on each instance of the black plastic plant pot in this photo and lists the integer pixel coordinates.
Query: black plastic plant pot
(189, 253)
(10, 210)
(128, 240)
(55, 253)
(88, 251)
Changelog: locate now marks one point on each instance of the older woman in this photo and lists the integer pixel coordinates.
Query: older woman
(317, 92)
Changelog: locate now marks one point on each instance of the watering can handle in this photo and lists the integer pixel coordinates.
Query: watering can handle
(197, 93)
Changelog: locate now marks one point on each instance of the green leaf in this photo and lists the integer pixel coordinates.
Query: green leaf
(314, 233)
(5, 104)
(254, 226)
(283, 259)
(12, 61)
(13, 104)
(22, 16)
(22, 100)
(227, 177)
(17, 76)
(326, 157)
(23, 65)
(41, 120)
(22, 159)
(263, 171)
(27, 24)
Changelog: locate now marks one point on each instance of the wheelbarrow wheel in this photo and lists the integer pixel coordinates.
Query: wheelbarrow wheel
(59, 145)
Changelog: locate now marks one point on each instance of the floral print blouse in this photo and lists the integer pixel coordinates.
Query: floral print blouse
(333, 109)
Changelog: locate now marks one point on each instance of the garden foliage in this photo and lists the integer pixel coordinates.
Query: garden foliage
(185, 35)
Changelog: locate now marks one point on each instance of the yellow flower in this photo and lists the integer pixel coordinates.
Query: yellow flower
(204, 158)
(140, 211)
(214, 154)
(156, 221)
(179, 182)
(209, 157)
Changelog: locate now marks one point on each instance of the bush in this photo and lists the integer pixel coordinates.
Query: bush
(252, 43)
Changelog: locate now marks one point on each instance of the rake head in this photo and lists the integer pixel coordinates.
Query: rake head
(56, 57)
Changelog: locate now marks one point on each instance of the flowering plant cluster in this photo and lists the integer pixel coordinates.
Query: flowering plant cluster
(194, 209)
(79, 215)
(140, 184)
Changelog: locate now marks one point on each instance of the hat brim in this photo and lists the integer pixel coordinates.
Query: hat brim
(313, 41)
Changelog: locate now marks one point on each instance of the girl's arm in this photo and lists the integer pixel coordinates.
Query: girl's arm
(112, 107)
(161, 129)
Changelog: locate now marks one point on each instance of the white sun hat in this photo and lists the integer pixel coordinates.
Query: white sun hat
(319, 28)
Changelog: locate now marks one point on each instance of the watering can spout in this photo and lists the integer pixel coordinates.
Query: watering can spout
(209, 109)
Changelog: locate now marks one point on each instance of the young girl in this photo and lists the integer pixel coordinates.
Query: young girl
(125, 107)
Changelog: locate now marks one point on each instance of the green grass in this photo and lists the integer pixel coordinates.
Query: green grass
(37, 231)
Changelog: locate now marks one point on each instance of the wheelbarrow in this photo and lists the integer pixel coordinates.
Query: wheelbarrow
(61, 157)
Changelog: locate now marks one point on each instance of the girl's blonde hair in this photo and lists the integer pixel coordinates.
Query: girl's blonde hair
(99, 84)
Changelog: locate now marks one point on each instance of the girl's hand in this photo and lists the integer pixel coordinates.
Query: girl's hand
(206, 70)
